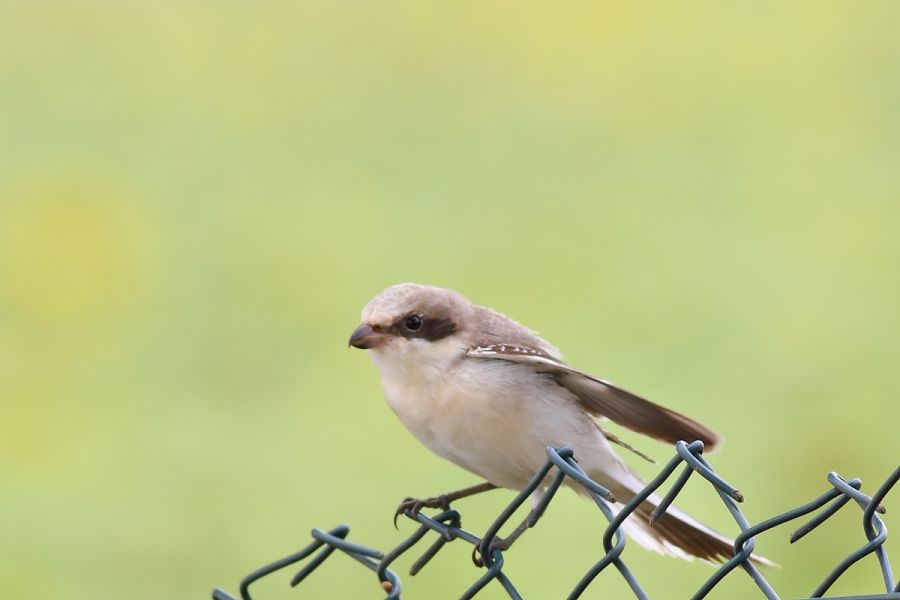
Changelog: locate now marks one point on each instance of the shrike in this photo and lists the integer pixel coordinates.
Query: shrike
(489, 395)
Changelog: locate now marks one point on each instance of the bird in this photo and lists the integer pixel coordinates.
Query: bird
(490, 395)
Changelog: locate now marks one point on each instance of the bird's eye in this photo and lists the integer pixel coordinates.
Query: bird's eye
(413, 322)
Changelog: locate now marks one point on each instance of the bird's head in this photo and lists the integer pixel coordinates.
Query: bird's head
(413, 321)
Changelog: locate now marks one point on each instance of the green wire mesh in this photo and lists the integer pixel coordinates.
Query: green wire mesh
(560, 465)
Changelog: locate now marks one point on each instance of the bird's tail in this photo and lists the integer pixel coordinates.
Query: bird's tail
(674, 532)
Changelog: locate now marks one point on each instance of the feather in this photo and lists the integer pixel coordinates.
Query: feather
(603, 398)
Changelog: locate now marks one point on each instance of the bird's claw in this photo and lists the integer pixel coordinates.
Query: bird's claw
(497, 543)
(415, 505)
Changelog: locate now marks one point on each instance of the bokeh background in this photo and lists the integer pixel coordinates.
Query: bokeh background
(696, 200)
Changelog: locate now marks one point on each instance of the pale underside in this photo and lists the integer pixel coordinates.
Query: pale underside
(494, 412)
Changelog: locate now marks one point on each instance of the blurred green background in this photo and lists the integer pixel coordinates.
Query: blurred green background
(696, 200)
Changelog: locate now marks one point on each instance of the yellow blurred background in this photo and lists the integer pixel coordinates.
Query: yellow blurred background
(696, 200)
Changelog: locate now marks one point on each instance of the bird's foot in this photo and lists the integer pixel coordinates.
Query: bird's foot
(414, 505)
(497, 543)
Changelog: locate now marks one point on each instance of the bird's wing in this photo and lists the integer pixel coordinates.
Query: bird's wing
(604, 398)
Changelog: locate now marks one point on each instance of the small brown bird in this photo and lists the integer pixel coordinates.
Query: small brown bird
(489, 395)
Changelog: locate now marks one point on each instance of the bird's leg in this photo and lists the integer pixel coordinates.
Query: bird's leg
(443, 501)
(530, 520)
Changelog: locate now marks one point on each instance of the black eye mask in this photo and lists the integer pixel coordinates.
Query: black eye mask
(428, 329)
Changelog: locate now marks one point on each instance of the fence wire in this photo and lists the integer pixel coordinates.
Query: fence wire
(560, 465)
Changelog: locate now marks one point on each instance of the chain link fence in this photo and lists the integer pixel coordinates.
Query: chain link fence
(560, 465)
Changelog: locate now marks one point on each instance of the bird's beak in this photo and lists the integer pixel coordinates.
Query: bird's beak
(365, 337)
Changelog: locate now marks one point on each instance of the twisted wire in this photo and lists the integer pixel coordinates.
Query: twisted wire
(561, 465)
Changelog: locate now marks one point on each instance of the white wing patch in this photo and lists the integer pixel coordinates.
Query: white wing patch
(495, 349)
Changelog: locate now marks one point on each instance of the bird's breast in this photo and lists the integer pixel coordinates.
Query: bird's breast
(489, 417)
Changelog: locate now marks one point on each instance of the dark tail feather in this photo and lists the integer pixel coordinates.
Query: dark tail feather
(675, 533)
